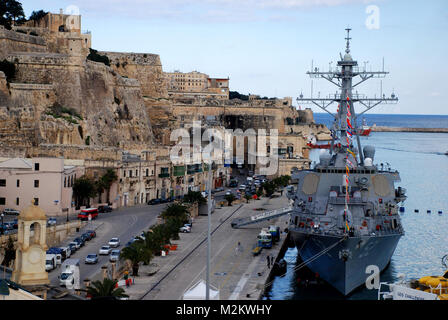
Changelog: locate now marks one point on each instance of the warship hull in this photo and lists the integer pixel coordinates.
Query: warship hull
(362, 252)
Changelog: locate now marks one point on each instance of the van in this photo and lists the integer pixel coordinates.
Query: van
(50, 262)
(65, 252)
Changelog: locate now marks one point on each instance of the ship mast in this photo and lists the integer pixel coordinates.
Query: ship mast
(342, 77)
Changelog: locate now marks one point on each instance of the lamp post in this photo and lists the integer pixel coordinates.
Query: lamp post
(207, 282)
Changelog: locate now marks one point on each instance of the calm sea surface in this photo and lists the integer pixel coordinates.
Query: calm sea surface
(423, 167)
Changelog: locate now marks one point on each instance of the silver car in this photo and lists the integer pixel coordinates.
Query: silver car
(92, 258)
(114, 255)
(105, 250)
(114, 242)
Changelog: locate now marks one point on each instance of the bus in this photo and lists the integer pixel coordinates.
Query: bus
(84, 214)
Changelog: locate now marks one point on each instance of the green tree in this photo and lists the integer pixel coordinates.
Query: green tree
(154, 241)
(136, 253)
(194, 197)
(230, 198)
(100, 186)
(177, 211)
(37, 15)
(10, 253)
(108, 179)
(83, 189)
(247, 197)
(269, 187)
(105, 290)
(15, 10)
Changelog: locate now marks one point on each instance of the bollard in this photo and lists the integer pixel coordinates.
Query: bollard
(440, 211)
(416, 210)
(428, 211)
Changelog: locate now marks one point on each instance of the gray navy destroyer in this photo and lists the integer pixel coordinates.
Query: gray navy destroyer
(345, 210)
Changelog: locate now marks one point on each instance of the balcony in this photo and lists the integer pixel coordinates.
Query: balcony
(164, 175)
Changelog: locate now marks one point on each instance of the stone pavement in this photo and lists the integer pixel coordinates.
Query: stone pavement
(234, 270)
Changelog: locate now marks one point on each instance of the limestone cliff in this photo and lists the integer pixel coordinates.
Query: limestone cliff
(109, 109)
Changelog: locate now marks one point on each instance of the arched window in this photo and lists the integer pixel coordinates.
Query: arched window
(35, 238)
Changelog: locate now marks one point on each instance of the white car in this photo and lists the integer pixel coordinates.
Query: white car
(114, 242)
(185, 229)
(242, 187)
(105, 250)
(114, 255)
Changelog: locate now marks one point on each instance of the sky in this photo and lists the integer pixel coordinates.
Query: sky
(266, 47)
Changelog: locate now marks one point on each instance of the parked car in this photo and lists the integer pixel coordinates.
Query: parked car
(9, 225)
(104, 250)
(185, 229)
(12, 212)
(51, 221)
(66, 252)
(242, 187)
(85, 237)
(114, 255)
(73, 246)
(154, 201)
(130, 242)
(102, 209)
(91, 258)
(91, 233)
(114, 242)
(80, 241)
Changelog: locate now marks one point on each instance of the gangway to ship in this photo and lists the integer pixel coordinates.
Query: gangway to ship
(267, 215)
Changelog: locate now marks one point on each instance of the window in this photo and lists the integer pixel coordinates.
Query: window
(17, 201)
(136, 172)
(2, 201)
(130, 173)
(147, 172)
(2, 182)
(18, 183)
(65, 182)
(36, 183)
(36, 201)
(36, 167)
(124, 173)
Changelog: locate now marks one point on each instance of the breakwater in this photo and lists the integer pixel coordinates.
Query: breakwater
(403, 129)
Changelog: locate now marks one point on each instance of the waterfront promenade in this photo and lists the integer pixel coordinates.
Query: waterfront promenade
(234, 270)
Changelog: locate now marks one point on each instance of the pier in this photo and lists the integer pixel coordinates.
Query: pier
(401, 129)
(235, 271)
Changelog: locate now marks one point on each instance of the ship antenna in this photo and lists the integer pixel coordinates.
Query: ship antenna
(347, 50)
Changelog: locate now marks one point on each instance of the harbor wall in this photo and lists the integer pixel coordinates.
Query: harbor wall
(401, 129)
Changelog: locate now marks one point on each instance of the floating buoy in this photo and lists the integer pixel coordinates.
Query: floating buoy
(416, 210)
(401, 209)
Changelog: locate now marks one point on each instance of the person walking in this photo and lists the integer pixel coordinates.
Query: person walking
(268, 261)
(272, 260)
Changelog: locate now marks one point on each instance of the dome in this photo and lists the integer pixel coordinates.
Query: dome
(32, 212)
(348, 57)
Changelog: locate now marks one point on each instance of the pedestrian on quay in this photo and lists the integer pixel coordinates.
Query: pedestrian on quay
(268, 261)
(272, 260)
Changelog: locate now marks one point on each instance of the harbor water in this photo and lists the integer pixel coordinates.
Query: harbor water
(420, 158)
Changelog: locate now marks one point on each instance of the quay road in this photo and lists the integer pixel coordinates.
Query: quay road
(125, 223)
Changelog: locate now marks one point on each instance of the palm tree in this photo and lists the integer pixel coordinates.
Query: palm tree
(230, 198)
(136, 253)
(194, 197)
(105, 290)
(177, 211)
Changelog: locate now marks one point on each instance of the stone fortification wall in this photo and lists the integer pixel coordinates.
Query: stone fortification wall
(145, 67)
(11, 41)
(110, 109)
